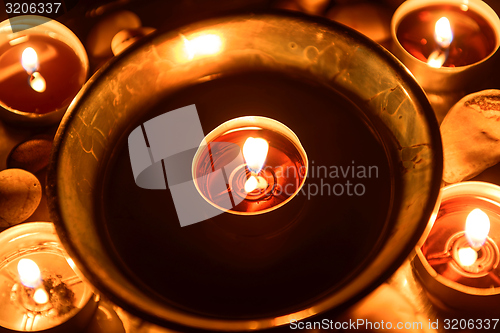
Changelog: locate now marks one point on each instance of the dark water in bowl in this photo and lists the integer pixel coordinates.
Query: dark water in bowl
(240, 266)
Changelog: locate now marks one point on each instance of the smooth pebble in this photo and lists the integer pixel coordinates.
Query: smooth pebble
(20, 195)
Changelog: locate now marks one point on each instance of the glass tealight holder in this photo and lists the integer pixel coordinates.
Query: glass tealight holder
(40, 287)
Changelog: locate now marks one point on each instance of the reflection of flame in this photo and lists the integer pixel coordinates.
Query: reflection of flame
(29, 60)
(255, 153)
(467, 256)
(29, 273)
(210, 44)
(477, 227)
(443, 36)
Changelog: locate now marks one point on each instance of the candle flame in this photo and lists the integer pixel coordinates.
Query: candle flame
(41, 296)
(37, 82)
(467, 256)
(203, 45)
(29, 60)
(443, 33)
(477, 227)
(255, 153)
(29, 273)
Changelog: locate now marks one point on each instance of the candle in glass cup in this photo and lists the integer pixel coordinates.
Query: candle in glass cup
(42, 68)
(40, 289)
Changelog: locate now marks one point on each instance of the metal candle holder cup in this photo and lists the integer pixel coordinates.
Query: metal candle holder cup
(463, 287)
(32, 25)
(446, 79)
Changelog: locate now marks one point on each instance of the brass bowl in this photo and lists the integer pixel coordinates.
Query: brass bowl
(330, 53)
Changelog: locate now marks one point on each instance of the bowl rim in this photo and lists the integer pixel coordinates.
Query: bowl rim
(180, 319)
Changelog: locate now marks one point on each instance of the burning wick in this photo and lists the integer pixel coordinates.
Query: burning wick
(467, 256)
(254, 183)
(40, 296)
(443, 36)
(37, 82)
(477, 227)
(29, 61)
(255, 153)
(31, 277)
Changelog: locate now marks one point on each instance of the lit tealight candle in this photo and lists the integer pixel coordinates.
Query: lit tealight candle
(40, 288)
(264, 166)
(42, 67)
(459, 262)
(446, 44)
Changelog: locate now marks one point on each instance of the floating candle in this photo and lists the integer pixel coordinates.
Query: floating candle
(272, 171)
